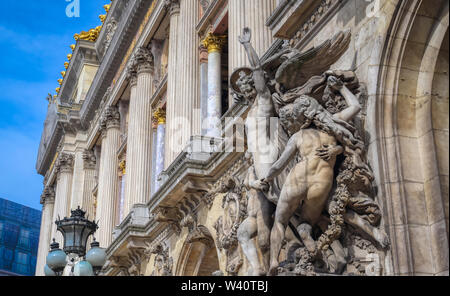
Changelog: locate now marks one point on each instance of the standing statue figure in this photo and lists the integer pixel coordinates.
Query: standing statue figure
(263, 152)
(309, 183)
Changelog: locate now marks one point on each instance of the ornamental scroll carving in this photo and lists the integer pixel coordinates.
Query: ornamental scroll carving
(234, 205)
(163, 262)
(314, 178)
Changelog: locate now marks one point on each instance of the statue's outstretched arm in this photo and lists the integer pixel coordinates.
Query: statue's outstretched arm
(354, 107)
(289, 153)
(258, 73)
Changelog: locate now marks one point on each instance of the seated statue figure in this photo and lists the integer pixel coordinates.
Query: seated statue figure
(317, 138)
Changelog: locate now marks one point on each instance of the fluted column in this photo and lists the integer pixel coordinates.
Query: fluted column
(173, 6)
(252, 14)
(139, 154)
(214, 45)
(64, 171)
(154, 142)
(48, 202)
(203, 52)
(77, 180)
(160, 146)
(89, 182)
(184, 109)
(108, 176)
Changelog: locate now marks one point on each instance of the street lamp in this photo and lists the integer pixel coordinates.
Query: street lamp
(76, 231)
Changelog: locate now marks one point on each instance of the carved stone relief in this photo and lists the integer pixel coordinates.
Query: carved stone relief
(234, 204)
(316, 180)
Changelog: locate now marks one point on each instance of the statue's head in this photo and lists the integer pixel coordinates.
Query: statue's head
(246, 86)
(299, 114)
(241, 82)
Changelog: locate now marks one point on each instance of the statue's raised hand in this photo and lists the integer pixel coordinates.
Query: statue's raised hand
(246, 36)
(335, 83)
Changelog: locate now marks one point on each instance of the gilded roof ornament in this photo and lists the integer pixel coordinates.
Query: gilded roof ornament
(69, 56)
(90, 35)
(58, 89)
(102, 17)
(60, 81)
(107, 7)
(63, 74)
(72, 46)
(66, 65)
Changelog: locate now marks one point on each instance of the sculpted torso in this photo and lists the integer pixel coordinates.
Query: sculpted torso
(264, 151)
(312, 178)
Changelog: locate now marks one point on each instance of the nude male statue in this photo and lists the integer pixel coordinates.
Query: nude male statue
(309, 183)
(264, 153)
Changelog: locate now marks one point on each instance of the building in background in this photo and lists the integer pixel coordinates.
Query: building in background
(136, 131)
(19, 238)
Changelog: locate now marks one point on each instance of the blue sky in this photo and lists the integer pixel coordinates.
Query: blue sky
(34, 42)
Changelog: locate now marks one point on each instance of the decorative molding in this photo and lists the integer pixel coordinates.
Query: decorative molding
(64, 163)
(89, 160)
(48, 195)
(110, 118)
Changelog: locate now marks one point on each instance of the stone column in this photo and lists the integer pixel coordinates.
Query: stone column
(173, 7)
(89, 171)
(139, 154)
(252, 14)
(160, 115)
(154, 140)
(77, 180)
(48, 202)
(183, 109)
(204, 86)
(64, 170)
(108, 176)
(214, 45)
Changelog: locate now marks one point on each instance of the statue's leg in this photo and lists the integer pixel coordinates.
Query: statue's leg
(285, 209)
(378, 235)
(264, 220)
(305, 232)
(246, 232)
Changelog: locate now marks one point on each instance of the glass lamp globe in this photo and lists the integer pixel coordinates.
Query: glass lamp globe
(48, 271)
(96, 255)
(83, 268)
(56, 258)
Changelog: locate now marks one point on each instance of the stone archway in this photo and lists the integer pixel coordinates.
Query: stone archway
(199, 254)
(412, 125)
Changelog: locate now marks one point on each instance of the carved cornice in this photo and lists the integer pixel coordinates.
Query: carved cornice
(89, 160)
(110, 118)
(64, 163)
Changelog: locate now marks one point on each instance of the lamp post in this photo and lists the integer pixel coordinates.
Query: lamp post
(76, 231)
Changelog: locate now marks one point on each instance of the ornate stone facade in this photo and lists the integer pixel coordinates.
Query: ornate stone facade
(312, 142)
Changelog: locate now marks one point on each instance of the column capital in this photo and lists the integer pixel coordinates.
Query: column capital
(48, 195)
(214, 43)
(123, 167)
(89, 160)
(110, 118)
(160, 116)
(141, 61)
(64, 163)
(172, 6)
(154, 122)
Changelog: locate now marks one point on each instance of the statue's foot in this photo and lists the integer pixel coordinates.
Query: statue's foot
(381, 237)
